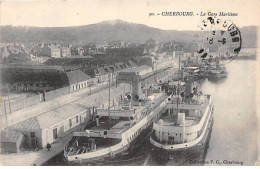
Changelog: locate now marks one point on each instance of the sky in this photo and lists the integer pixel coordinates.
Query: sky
(62, 13)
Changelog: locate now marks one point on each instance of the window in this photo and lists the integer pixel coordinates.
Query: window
(70, 122)
(55, 133)
(77, 119)
(32, 134)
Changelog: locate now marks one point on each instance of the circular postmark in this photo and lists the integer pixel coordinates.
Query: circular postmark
(218, 39)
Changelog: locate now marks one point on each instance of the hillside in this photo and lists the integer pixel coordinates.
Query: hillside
(106, 31)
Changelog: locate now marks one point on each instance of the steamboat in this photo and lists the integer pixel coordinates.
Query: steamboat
(217, 73)
(117, 132)
(196, 72)
(183, 131)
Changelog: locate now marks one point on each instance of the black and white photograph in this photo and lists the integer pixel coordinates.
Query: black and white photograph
(129, 83)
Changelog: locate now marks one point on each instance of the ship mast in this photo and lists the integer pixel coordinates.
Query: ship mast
(183, 125)
(108, 99)
(109, 95)
(178, 87)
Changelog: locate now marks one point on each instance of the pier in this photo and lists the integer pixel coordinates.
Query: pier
(34, 158)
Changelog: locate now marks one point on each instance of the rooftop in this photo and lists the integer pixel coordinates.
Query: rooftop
(48, 119)
(131, 63)
(142, 70)
(64, 48)
(28, 63)
(79, 57)
(102, 70)
(98, 98)
(10, 136)
(77, 76)
(30, 66)
(60, 114)
(53, 47)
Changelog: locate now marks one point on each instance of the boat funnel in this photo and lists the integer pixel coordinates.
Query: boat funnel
(97, 120)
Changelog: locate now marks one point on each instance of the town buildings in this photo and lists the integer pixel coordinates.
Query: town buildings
(49, 50)
(39, 78)
(150, 72)
(19, 77)
(67, 71)
(65, 51)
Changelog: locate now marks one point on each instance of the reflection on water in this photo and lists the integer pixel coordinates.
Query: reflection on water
(234, 131)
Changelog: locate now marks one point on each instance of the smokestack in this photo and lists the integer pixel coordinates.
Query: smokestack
(97, 120)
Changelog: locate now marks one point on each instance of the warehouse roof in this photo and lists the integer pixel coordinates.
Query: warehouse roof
(77, 76)
(78, 57)
(141, 70)
(24, 66)
(10, 136)
(102, 97)
(49, 118)
(60, 114)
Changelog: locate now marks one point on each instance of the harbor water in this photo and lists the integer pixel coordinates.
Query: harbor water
(233, 139)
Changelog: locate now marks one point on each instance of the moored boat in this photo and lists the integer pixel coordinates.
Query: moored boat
(117, 131)
(196, 72)
(217, 73)
(184, 130)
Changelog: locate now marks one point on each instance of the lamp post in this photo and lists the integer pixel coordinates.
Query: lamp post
(5, 114)
(9, 100)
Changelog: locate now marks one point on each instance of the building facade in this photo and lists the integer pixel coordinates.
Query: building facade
(55, 51)
(79, 80)
(65, 51)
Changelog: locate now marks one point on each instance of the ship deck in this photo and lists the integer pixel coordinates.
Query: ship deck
(84, 144)
(192, 118)
(188, 121)
(122, 124)
(113, 125)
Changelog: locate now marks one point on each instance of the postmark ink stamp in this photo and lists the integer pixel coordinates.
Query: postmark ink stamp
(218, 38)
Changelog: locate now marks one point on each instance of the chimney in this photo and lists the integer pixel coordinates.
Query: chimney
(97, 120)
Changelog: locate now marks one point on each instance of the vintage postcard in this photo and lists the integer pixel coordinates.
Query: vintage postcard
(129, 83)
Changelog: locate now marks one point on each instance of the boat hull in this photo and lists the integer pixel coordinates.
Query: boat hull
(194, 155)
(217, 75)
(126, 155)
